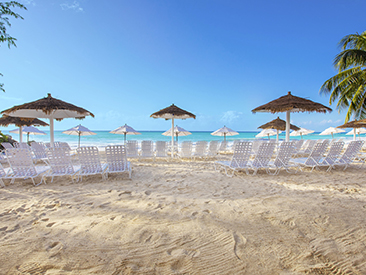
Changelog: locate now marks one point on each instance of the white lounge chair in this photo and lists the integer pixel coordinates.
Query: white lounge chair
(4, 173)
(213, 148)
(161, 149)
(22, 167)
(256, 144)
(200, 149)
(350, 154)
(90, 161)
(147, 149)
(223, 146)
(59, 159)
(117, 160)
(239, 161)
(39, 152)
(262, 157)
(315, 157)
(307, 147)
(332, 155)
(7, 145)
(282, 160)
(132, 149)
(186, 149)
(23, 145)
(297, 145)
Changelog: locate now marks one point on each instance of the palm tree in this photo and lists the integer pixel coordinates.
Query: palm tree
(349, 85)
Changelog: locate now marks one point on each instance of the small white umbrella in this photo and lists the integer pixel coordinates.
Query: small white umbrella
(301, 132)
(178, 131)
(224, 131)
(29, 130)
(79, 131)
(267, 133)
(331, 131)
(125, 130)
(356, 131)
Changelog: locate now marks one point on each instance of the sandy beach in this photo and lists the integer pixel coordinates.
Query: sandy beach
(178, 217)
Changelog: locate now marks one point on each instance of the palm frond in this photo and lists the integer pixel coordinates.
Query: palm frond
(350, 58)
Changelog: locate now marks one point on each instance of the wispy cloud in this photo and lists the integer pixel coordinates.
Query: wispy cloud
(28, 2)
(230, 116)
(330, 121)
(72, 6)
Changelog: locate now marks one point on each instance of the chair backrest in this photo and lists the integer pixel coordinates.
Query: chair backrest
(23, 145)
(38, 150)
(334, 152)
(186, 149)
(7, 145)
(161, 149)
(256, 144)
(89, 159)
(242, 152)
(60, 160)
(298, 144)
(200, 148)
(308, 147)
(116, 156)
(353, 148)
(132, 148)
(213, 147)
(64, 145)
(20, 161)
(2, 171)
(147, 148)
(317, 153)
(223, 146)
(264, 154)
(284, 154)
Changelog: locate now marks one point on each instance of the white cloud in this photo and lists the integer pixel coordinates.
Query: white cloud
(73, 6)
(28, 2)
(230, 116)
(330, 121)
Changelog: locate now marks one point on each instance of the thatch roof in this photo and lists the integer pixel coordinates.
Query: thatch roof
(21, 121)
(293, 104)
(173, 112)
(278, 124)
(354, 124)
(49, 106)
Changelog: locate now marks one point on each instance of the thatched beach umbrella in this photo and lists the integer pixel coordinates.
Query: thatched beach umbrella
(50, 108)
(173, 112)
(224, 131)
(278, 124)
(20, 122)
(294, 104)
(125, 130)
(355, 124)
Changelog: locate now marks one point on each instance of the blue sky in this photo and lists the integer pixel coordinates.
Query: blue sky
(219, 59)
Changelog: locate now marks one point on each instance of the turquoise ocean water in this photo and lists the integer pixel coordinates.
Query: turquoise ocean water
(103, 138)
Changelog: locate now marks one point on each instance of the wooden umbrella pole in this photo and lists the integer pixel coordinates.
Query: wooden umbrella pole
(288, 126)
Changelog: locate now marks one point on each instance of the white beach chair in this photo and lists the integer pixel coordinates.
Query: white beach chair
(7, 145)
(314, 158)
(256, 144)
(22, 167)
(161, 149)
(200, 149)
(147, 149)
(282, 160)
(186, 149)
(262, 157)
(332, 156)
(298, 145)
(239, 161)
(350, 154)
(90, 161)
(39, 152)
(4, 173)
(307, 147)
(59, 159)
(23, 145)
(117, 160)
(213, 148)
(223, 146)
(132, 149)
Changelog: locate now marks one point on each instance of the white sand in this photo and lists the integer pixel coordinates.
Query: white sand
(177, 218)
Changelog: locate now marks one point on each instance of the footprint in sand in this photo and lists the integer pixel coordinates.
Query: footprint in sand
(239, 246)
(50, 224)
(55, 248)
